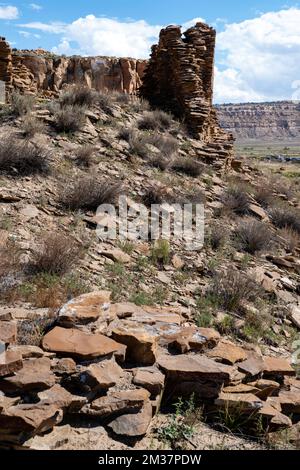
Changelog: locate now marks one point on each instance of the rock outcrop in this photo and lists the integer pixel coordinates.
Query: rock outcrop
(119, 391)
(278, 120)
(179, 79)
(40, 71)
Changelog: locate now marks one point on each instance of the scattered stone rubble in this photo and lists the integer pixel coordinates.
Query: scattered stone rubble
(117, 364)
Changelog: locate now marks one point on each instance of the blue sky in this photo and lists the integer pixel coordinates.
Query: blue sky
(258, 46)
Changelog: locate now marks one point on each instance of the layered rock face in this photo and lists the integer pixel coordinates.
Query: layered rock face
(39, 71)
(261, 120)
(5, 63)
(179, 79)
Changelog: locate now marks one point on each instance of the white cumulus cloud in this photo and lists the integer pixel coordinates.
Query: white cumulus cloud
(9, 13)
(259, 58)
(35, 6)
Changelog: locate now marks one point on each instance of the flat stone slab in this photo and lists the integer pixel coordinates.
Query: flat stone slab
(76, 343)
(228, 353)
(86, 309)
(35, 375)
(10, 362)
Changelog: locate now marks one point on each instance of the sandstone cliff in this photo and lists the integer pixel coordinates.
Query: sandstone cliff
(40, 71)
(261, 120)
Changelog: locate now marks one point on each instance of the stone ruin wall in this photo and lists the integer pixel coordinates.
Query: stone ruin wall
(177, 78)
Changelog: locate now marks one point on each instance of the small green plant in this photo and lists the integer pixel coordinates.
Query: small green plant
(161, 252)
(205, 307)
(126, 246)
(182, 424)
(141, 298)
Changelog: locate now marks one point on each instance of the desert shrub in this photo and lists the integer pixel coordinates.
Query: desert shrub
(252, 236)
(31, 331)
(51, 291)
(105, 101)
(217, 236)
(160, 253)
(88, 194)
(21, 158)
(78, 95)
(285, 217)
(10, 264)
(56, 254)
(69, 118)
(122, 98)
(139, 105)
(22, 104)
(290, 238)
(166, 144)
(126, 133)
(153, 195)
(230, 288)
(236, 200)
(159, 161)
(32, 125)
(188, 166)
(84, 155)
(138, 146)
(264, 196)
(155, 120)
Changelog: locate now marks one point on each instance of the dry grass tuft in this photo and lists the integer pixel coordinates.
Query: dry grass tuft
(88, 194)
(32, 125)
(252, 236)
(56, 254)
(69, 118)
(21, 158)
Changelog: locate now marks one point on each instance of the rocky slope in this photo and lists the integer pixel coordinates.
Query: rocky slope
(144, 334)
(279, 120)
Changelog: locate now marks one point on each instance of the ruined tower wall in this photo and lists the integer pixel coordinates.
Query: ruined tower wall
(5, 64)
(179, 79)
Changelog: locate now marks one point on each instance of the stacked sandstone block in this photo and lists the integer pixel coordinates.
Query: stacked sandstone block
(179, 79)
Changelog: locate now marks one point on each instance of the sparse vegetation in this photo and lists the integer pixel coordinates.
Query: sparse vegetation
(286, 217)
(78, 95)
(188, 167)
(84, 155)
(31, 331)
(88, 194)
(290, 239)
(264, 196)
(21, 158)
(155, 120)
(230, 288)
(181, 426)
(56, 254)
(32, 125)
(10, 264)
(217, 236)
(252, 236)
(22, 104)
(160, 252)
(236, 200)
(69, 118)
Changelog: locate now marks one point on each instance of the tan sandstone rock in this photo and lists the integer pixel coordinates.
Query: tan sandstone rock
(82, 345)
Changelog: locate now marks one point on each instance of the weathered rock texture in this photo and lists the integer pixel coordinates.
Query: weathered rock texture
(5, 63)
(179, 79)
(261, 120)
(40, 71)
